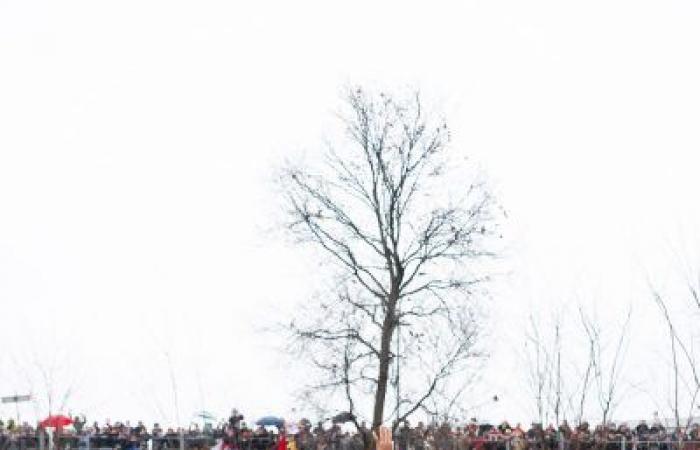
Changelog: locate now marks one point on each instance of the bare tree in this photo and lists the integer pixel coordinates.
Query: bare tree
(403, 239)
(447, 405)
(45, 366)
(579, 395)
(561, 377)
(686, 377)
(539, 367)
(50, 375)
(606, 365)
(543, 359)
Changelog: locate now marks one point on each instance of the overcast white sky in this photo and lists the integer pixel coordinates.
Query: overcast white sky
(138, 139)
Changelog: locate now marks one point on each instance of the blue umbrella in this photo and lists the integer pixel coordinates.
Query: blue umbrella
(270, 421)
(205, 416)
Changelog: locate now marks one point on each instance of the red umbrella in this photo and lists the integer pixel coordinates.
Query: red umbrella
(57, 421)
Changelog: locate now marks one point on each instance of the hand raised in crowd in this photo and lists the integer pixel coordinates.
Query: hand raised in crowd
(384, 441)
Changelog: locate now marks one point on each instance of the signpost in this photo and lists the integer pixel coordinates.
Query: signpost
(17, 399)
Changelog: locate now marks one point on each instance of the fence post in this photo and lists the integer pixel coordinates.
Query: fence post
(182, 439)
(624, 443)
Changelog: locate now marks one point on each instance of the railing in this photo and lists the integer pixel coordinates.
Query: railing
(100, 442)
(205, 442)
(484, 443)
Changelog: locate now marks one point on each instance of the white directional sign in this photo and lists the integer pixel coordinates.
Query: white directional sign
(16, 398)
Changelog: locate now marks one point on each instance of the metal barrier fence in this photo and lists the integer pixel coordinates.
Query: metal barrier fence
(601, 444)
(460, 443)
(205, 442)
(102, 442)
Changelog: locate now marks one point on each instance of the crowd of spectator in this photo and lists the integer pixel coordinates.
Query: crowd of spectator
(475, 436)
(234, 434)
(117, 435)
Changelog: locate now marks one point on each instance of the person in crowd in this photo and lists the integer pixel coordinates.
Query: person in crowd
(333, 436)
(403, 437)
(418, 437)
(305, 438)
(79, 423)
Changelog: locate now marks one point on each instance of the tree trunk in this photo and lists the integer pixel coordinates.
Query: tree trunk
(384, 362)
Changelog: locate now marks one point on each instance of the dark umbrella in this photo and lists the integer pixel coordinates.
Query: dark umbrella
(270, 421)
(343, 417)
